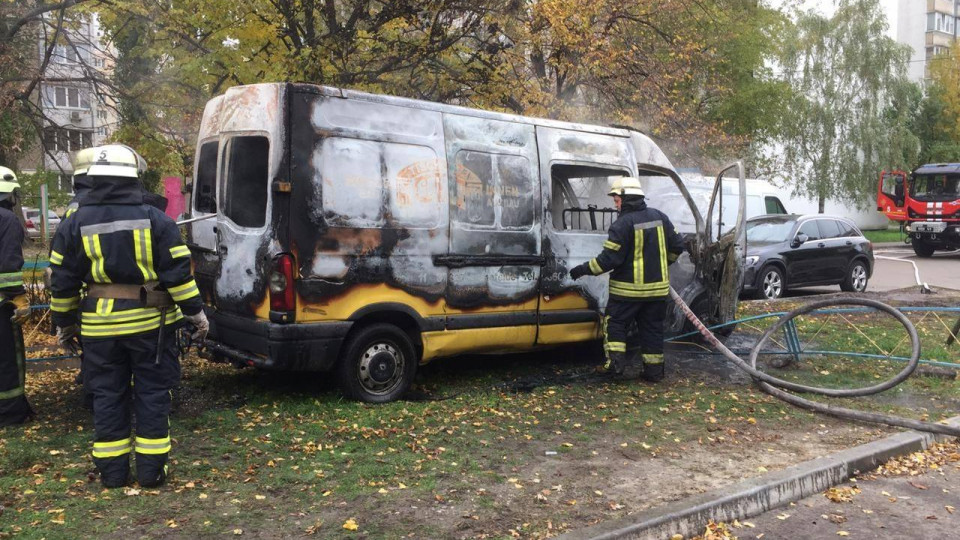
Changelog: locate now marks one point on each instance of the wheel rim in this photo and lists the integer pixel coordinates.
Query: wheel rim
(859, 278)
(381, 367)
(772, 285)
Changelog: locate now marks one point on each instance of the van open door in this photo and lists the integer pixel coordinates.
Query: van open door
(891, 195)
(724, 250)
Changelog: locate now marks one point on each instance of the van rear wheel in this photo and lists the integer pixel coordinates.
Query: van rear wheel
(378, 364)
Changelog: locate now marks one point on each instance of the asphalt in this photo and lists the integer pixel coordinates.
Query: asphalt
(756, 496)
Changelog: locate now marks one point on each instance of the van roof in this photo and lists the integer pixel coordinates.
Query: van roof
(456, 109)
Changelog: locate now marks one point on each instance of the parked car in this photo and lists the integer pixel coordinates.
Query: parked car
(31, 219)
(790, 251)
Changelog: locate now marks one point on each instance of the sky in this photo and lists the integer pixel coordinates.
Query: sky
(826, 7)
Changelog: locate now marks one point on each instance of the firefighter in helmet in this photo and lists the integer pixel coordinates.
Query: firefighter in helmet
(14, 306)
(140, 289)
(641, 244)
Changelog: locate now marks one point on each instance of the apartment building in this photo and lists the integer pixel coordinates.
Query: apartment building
(929, 27)
(78, 108)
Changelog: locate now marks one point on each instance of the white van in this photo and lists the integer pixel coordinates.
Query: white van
(365, 234)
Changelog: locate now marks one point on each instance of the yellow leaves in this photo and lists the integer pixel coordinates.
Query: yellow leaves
(131, 492)
(751, 420)
(238, 532)
(843, 533)
(841, 494)
(351, 525)
(172, 524)
(259, 497)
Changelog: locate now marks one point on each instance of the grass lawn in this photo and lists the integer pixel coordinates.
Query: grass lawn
(890, 234)
(486, 447)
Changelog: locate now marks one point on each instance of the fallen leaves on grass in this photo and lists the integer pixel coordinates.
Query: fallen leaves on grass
(350, 525)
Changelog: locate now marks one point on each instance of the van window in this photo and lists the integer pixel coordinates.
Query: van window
(246, 181)
(205, 185)
(829, 228)
(774, 206)
(580, 199)
(494, 191)
(359, 180)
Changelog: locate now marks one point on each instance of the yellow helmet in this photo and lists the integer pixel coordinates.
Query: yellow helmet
(626, 185)
(116, 160)
(82, 159)
(8, 183)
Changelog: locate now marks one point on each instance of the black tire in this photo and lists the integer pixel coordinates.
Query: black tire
(377, 364)
(856, 278)
(922, 249)
(770, 283)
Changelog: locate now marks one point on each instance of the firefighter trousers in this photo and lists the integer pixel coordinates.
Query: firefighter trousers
(115, 370)
(14, 408)
(649, 315)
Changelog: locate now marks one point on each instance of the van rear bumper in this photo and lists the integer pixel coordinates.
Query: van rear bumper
(263, 344)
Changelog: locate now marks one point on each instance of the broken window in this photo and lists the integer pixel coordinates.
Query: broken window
(493, 191)
(579, 197)
(246, 180)
(205, 185)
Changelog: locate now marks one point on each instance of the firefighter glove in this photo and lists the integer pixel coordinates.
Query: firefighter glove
(200, 324)
(21, 310)
(66, 335)
(579, 271)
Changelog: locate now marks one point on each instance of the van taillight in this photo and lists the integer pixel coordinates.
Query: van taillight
(281, 284)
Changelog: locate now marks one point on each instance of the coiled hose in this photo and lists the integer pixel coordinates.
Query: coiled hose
(775, 387)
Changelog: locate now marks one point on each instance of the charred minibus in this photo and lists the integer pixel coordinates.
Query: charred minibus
(365, 234)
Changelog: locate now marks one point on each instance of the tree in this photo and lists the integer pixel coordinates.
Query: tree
(943, 113)
(23, 25)
(843, 124)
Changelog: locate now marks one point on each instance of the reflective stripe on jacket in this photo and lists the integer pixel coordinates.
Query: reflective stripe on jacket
(640, 245)
(118, 239)
(11, 254)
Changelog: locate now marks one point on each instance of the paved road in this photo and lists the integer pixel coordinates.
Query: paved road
(925, 506)
(942, 270)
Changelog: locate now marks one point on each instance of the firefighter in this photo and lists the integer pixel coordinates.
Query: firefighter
(139, 291)
(81, 184)
(14, 306)
(641, 244)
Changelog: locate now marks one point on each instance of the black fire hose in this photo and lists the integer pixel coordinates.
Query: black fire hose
(775, 387)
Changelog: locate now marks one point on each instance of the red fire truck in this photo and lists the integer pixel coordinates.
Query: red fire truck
(926, 202)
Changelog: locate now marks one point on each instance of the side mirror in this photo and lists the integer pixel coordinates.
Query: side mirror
(799, 240)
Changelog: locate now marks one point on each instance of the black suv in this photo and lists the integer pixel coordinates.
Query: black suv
(798, 251)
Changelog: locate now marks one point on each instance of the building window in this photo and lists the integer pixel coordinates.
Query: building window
(69, 98)
(65, 54)
(941, 22)
(102, 131)
(66, 140)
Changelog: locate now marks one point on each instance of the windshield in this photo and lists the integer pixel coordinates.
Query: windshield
(768, 231)
(935, 187)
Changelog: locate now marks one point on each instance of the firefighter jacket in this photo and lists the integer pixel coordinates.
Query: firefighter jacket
(114, 237)
(640, 245)
(11, 254)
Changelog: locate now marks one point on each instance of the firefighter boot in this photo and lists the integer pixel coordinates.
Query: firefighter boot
(653, 367)
(615, 363)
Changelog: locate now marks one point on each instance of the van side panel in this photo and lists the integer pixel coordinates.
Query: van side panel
(368, 207)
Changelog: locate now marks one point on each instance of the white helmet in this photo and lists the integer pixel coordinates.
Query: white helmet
(626, 185)
(8, 184)
(81, 160)
(116, 160)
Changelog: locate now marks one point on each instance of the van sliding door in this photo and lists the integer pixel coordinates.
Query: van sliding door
(495, 255)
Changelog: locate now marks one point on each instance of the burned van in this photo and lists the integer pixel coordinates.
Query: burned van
(364, 234)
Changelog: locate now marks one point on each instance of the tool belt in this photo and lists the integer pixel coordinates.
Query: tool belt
(150, 294)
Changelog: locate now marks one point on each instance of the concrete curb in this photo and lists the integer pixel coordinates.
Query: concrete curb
(690, 516)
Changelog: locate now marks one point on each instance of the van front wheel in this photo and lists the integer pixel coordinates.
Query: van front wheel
(378, 364)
